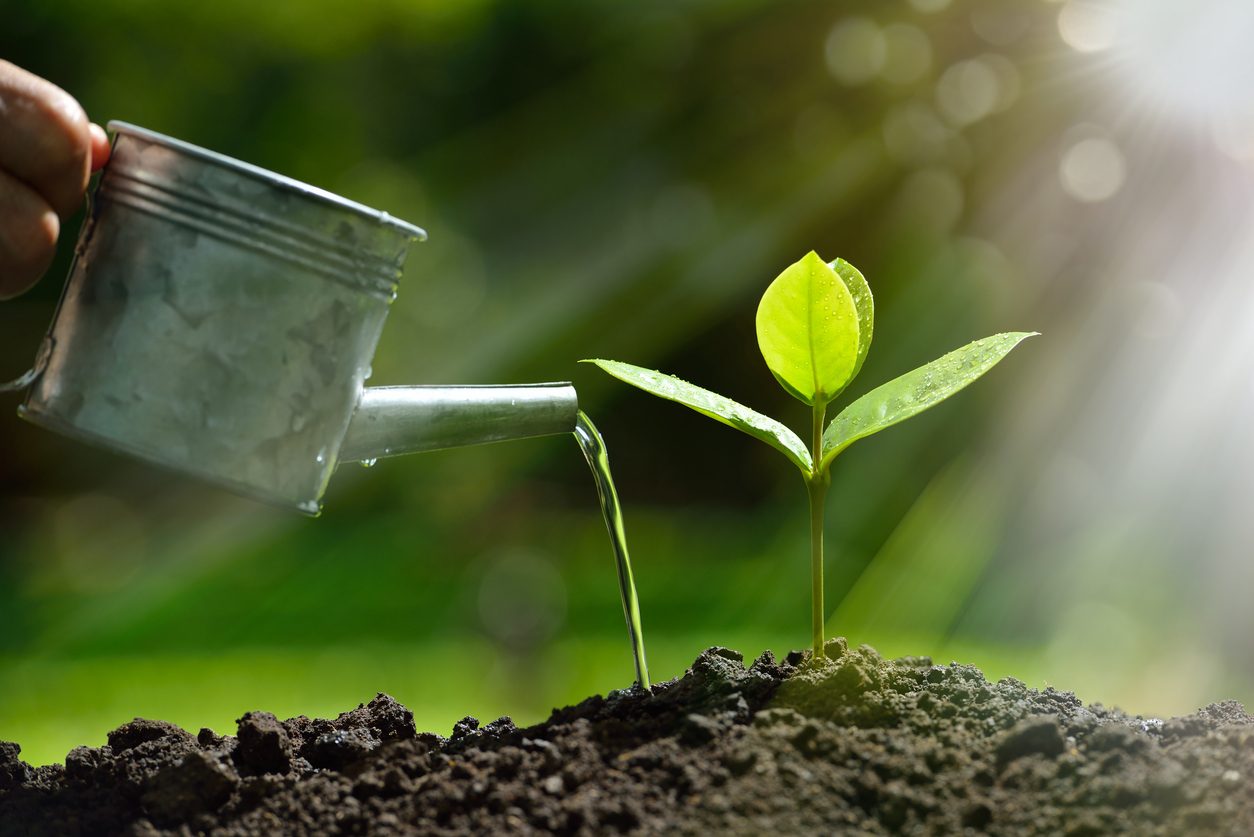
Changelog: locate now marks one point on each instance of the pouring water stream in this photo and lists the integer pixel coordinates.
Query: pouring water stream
(593, 447)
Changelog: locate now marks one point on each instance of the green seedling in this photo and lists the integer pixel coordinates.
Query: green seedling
(814, 327)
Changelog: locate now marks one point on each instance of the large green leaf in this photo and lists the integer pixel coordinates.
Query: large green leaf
(915, 391)
(856, 284)
(717, 407)
(807, 326)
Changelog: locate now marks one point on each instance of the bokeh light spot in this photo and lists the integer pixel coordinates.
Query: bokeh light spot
(1092, 170)
(908, 54)
(96, 543)
(968, 91)
(1000, 23)
(855, 51)
(522, 599)
(1087, 26)
(1009, 82)
(913, 133)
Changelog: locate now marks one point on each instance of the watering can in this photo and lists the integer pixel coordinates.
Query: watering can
(220, 320)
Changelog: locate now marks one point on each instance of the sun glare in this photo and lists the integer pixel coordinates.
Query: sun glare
(1185, 61)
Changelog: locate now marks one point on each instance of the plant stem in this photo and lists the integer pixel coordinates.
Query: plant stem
(816, 487)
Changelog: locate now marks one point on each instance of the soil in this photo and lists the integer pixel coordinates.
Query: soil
(854, 744)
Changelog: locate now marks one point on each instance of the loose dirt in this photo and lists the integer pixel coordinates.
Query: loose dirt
(853, 744)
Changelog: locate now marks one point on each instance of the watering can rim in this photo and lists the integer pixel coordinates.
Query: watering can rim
(265, 175)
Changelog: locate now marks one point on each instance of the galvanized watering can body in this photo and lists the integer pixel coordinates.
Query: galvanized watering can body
(220, 319)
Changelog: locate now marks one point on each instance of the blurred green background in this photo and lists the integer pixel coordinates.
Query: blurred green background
(622, 180)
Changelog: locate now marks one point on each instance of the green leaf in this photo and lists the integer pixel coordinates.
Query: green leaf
(717, 407)
(807, 326)
(915, 391)
(856, 284)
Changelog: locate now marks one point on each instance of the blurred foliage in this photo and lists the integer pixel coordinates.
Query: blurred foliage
(598, 179)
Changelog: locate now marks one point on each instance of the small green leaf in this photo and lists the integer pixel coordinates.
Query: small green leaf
(717, 407)
(856, 284)
(807, 326)
(915, 391)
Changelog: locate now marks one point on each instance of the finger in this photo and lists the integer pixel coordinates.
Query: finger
(46, 142)
(28, 236)
(100, 147)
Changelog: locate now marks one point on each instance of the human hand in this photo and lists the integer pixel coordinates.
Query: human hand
(48, 150)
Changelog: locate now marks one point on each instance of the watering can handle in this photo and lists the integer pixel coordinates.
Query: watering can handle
(22, 382)
(28, 378)
(31, 375)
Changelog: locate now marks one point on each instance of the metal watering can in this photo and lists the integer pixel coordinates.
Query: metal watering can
(220, 319)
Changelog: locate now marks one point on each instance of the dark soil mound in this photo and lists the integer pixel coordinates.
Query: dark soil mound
(855, 744)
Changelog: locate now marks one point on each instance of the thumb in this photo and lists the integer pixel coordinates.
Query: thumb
(99, 147)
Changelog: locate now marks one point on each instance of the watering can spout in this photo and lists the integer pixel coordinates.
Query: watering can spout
(391, 421)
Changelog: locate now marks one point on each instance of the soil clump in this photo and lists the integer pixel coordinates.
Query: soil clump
(854, 743)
